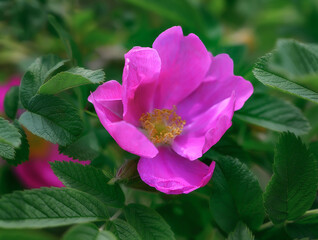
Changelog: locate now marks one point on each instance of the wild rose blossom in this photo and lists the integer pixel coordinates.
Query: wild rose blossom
(36, 172)
(175, 102)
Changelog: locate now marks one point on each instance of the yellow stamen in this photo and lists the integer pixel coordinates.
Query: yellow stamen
(162, 125)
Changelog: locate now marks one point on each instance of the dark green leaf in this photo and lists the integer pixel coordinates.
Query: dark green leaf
(306, 226)
(85, 148)
(295, 59)
(10, 139)
(148, 223)
(89, 179)
(35, 76)
(8, 234)
(241, 232)
(274, 114)
(293, 186)
(123, 230)
(22, 152)
(11, 102)
(52, 119)
(49, 207)
(72, 78)
(236, 195)
(87, 231)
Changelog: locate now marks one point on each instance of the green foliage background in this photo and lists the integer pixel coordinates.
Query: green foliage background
(265, 182)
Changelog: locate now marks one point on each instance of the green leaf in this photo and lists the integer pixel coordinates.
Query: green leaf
(281, 68)
(295, 59)
(148, 223)
(22, 152)
(306, 226)
(10, 138)
(72, 78)
(9, 234)
(53, 119)
(90, 180)
(69, 44)
(11, 102)
(236, 195)
(293, 186)
(123, 230)
(85, 148)
(87, 231)
(49, 207)
(241, 232)
(35, 76)
(274, 114)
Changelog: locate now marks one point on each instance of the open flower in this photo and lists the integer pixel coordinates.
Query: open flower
(175, 102)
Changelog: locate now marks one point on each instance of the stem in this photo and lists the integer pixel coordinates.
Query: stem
(116, 215)
(270, 224)
(90, 113)
(310, 212)
(265, 226)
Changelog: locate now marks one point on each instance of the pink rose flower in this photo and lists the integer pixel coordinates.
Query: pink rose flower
(37, 171)
(176, 101)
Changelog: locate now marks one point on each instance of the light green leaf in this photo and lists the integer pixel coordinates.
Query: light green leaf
(236, 195)
(11, 102)
(283, 67)
(52, 119)
(87, 231)
(148, 223)
(123, 230)
(10, 138)
(293, 186)
(241, 232)
(72, 78)
(274, 114)
(85, 148)
(49, 207)
(295, 59)
(35, 76)
(90, 180)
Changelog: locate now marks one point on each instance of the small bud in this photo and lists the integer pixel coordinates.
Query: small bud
(128, 175)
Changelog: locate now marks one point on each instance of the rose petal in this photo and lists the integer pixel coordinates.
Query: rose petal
(205, 130)
(141, 72)
(184, 64)
(220, 86)
(125, 134)
(172, 174)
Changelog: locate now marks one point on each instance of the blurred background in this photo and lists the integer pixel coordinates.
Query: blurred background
(103, 31)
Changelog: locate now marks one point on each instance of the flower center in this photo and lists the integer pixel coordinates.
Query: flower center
(162, 125)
